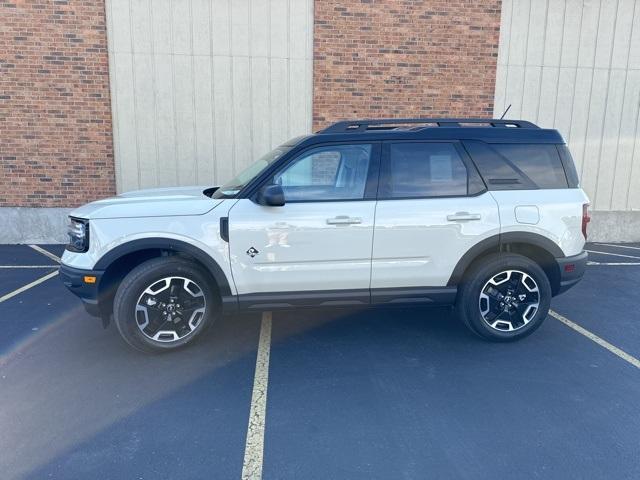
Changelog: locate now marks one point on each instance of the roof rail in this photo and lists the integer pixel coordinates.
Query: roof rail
(353, 126)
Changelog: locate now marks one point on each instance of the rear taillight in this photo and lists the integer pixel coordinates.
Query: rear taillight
(585, 219)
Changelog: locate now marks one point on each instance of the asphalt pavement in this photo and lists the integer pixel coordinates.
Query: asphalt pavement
(370, 394)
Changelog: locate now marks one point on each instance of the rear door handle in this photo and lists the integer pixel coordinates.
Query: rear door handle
(463, 217)
(343, 220)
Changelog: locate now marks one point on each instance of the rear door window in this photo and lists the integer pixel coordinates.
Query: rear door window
(421, 170)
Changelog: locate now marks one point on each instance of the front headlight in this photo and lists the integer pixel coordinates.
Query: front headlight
(78, 231)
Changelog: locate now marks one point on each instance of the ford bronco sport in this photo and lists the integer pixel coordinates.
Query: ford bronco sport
(486, 215)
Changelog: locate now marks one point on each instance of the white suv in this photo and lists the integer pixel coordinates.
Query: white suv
(486, 215)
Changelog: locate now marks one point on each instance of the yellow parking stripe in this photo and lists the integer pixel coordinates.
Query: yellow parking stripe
(28, 286)
(254, 447)
(592, 336)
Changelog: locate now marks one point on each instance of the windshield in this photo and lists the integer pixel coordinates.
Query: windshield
(231, 188)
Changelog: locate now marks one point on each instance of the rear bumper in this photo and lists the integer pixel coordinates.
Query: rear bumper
(73, 279)
(571, 271)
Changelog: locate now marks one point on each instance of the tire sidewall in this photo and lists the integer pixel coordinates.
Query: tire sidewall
(142, 277)
(481, 276)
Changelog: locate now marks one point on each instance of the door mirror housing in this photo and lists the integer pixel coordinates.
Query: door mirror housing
(271, 196)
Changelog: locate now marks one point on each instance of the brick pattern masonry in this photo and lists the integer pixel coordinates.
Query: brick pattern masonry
(56, 147)
(404, 58)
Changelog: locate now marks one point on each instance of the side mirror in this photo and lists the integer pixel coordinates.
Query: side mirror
(271, 196)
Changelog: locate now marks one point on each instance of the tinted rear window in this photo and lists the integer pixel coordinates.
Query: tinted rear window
(518, 166)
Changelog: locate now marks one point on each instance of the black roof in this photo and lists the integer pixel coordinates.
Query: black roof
(483, 129)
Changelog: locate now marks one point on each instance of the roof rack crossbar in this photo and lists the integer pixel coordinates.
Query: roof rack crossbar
(352, 126)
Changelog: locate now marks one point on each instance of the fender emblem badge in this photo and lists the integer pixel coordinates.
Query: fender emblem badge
(252, 252)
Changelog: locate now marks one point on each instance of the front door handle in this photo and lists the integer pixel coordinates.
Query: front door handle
(463, 217)
(343, 220)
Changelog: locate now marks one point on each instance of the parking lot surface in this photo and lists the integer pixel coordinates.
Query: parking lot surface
(377, 393)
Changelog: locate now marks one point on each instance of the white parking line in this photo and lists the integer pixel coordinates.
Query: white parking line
(254, 447)
(592, 336)
(28, 286)
(613, 254)
(613, 263)
(618, 246)
(45, 253)
(28, 266)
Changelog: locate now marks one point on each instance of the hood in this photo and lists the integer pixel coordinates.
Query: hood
(153, 202)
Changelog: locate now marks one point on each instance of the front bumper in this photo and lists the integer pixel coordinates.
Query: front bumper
(73, 279)
(571, 270)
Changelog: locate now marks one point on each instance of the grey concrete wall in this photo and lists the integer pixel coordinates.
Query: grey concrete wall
(614, 227)
(33, 225)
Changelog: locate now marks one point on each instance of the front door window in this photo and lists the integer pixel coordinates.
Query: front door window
(326, 173)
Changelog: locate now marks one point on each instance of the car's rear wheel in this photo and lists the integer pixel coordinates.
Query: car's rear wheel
(504, 297)
(164, 304)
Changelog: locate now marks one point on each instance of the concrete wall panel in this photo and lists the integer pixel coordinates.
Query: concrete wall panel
(200, 88)
(581, 64)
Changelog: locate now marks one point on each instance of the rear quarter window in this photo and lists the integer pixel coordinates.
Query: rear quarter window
(518, 166)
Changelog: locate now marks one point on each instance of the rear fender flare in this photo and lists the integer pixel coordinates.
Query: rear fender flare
(495, 243)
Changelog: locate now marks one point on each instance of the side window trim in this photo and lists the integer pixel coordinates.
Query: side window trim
(472, 170)
(385, 160)
(371, 185)
(570, 172)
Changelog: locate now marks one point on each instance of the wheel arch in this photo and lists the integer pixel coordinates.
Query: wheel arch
(534, 246)
(117, 262)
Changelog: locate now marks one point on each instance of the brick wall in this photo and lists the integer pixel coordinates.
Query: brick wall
(404, 58)
(56, 144)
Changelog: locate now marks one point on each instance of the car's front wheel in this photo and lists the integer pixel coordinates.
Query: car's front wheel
(504, 298)
(164, 304)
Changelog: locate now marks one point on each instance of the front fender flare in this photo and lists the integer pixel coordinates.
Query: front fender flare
(173, 245)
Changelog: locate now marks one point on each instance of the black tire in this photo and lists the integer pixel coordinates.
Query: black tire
(149, 273)
(468, 304)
